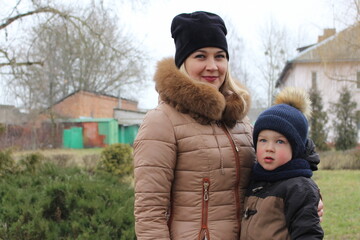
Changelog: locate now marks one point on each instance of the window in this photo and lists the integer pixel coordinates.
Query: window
(314, 79)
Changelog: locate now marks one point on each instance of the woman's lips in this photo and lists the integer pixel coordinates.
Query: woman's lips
(210, 78)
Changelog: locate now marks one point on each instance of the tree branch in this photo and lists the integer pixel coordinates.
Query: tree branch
(37, 11)
(18, 64)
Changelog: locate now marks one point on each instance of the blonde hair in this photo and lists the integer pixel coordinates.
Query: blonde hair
(230, 85)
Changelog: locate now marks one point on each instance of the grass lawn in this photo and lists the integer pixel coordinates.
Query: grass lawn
(340, 190)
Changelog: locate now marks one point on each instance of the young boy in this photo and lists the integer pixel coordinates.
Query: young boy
(281, 202)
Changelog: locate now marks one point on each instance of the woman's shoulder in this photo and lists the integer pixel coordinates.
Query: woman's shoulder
(243, 126)
(165, 113)
(159, 114)
(156, 125)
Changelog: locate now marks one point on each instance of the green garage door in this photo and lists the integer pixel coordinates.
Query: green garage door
(73, 138)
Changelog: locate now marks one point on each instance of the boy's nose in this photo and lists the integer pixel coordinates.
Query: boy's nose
(269, 147)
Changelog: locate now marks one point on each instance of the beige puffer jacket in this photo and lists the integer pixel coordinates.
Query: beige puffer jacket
(191, 169)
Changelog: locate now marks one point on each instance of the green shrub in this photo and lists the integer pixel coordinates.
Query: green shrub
(117, 159)
(65, 203)
(345, 120)
(31, 162)
(90, 161)
(7, 163)
(62, 160)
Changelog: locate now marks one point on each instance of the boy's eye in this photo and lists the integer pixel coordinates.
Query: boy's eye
(261, 140)
(220, 56)
(280, 141)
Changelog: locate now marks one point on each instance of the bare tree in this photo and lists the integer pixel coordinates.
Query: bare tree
(236, 52)
(239, 62)
(7, 55)
(275, 44)
(345, 12)
(98, 59)
(64, 50)
(68, 52)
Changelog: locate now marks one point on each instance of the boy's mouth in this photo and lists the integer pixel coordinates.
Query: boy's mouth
(268, 159)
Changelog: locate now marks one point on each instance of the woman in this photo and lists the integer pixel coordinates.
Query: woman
(193, 153)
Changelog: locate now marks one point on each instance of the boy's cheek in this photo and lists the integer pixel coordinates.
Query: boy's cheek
(259, 152)
(284, 156)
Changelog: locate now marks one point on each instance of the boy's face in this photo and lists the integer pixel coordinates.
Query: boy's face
(273, 150)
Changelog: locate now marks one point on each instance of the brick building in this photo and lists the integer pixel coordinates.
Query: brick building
(82, 104)
(96, 120)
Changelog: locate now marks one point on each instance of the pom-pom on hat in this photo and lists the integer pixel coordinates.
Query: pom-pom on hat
(288, 117)
(192, 31)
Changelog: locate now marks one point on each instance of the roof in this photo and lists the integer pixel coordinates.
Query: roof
(341, 47)
(125, 117)
(85, 119)
(95, 93)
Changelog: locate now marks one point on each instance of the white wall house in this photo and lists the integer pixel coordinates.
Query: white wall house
(330, 64)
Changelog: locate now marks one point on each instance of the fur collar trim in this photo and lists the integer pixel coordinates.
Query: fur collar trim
(201, 101)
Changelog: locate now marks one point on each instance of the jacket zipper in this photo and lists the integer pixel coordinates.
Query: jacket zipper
(237, 162)
(204, 232)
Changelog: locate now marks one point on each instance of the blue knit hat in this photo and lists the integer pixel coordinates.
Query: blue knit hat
(192, 31)
(288, 118)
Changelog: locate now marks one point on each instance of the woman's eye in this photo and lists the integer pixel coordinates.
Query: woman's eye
(220, 56)
(200, 56)
(280, 141)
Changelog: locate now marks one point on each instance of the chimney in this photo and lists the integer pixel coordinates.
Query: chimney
(328, 32)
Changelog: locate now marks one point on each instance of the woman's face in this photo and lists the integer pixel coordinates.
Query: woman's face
(208, 65)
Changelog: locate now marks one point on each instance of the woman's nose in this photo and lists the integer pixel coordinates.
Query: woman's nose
(211, 64)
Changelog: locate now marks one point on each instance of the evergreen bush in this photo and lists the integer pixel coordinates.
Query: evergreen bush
(345, 121)
(65, 203)
(318, 120)
(117, 159)
(31, 162)
(7, 163)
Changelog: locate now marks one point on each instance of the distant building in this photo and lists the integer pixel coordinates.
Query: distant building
(89, 117)
(11, 115)
(330, 64)
(84, 104)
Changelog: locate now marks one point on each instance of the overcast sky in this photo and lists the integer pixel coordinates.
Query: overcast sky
(151, 23)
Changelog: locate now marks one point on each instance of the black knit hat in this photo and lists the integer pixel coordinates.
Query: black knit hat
(288, 119)
(192, 31)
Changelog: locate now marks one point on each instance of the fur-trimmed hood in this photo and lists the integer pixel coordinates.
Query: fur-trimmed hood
(203, 102)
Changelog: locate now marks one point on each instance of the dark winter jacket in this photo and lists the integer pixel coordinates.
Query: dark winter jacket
(282, 204)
